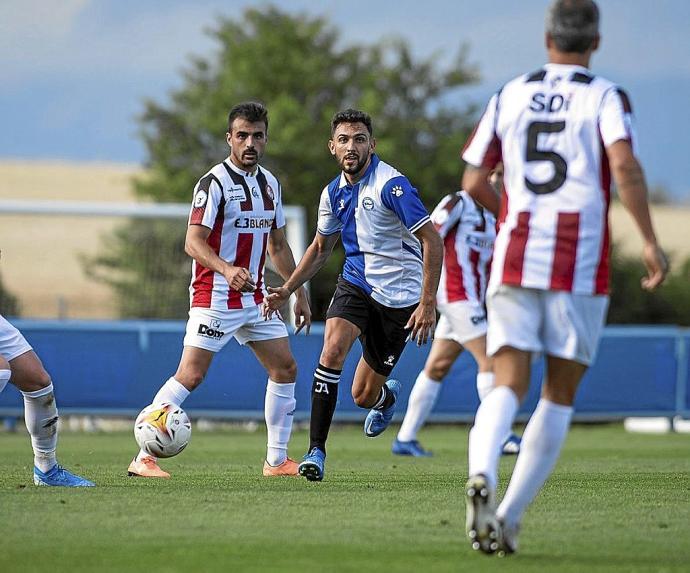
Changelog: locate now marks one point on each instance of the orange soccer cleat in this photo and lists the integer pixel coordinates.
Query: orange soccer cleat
(146, 467)
(287, 468)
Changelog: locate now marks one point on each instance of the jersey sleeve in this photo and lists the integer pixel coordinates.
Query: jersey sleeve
(279, 220)
(327, 223)
(403, 199)
(447, 213)
(615, 118)
(483, 148)
(208, 196)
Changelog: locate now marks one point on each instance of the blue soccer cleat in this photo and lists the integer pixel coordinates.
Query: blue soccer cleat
(60, 477)
(412, 448)
(511, 447)
(313, 465)
(377, 420)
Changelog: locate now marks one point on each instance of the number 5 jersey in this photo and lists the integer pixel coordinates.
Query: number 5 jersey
(551, 129)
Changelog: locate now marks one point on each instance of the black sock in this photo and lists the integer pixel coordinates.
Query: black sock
(324, 396)
(385, 399)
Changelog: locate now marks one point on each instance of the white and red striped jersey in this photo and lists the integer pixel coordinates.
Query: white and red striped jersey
(551, 129)
(468, 232)
(241, 209)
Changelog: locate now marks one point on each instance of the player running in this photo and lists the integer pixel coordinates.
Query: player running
(561, 132)
(468, 232)
(236, 218)
(386, 293)
(20, 365)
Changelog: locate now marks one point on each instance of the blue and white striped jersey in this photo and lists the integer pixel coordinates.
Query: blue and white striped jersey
(377, 218)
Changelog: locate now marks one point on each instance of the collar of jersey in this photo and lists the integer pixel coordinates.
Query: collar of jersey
(372, 165)
(239, 171)
(553, 66)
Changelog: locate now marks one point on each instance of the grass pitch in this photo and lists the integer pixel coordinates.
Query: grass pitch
(616, 502)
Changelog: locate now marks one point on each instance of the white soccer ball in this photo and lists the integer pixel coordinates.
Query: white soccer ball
(162, 430)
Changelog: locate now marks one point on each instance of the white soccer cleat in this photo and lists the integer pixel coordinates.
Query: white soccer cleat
(481, 525)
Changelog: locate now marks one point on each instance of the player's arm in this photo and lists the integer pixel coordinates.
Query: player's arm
(421, 323)
(476, 182)
(314, 258)
(284, 262)
(632, 190)
(197, 247)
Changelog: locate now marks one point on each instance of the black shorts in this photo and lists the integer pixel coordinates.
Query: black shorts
(383, 328)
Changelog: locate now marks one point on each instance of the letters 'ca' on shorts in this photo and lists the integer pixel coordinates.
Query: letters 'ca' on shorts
(12, 342)
(383, 334)
(212, 329)
(461, 321)
(557, 323)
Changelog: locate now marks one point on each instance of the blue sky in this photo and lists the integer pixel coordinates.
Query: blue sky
(74, 73)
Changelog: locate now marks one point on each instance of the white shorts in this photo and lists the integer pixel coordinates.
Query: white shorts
(461, 321)
(12, 342)
(557, 323)
(212, 329)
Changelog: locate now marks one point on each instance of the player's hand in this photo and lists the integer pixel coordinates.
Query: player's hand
(302, 312)
(422, 323)
(239, 279)
(656, 263)
(277, 297)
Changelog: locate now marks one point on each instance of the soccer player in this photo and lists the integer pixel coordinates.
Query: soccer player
(386, 292)
(561, 132)
(468, 231)
(236, 218)
(20, 365)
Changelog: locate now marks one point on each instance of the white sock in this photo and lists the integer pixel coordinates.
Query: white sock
(279, 409)
(492, 423)
(485, 383)
(4, 378)
(41, 417)
(174, 393)
(419, 406)
(541, 445)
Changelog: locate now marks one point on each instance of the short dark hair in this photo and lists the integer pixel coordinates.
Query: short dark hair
(351, 116)
(251, 111)
(573, 24)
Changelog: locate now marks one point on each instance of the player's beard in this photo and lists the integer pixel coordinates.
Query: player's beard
(357, 167)
(249, 160)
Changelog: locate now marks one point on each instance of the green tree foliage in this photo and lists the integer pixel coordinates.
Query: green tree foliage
(669, 304)
(9, 304)
(300, 68)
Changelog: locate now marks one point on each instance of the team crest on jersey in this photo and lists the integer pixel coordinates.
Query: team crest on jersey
(200, 198)
(236, 193)
(269, 192)
(368, 203)
(397, 191)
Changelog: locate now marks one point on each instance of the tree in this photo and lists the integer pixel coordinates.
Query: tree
(9, 304)
(298, 67)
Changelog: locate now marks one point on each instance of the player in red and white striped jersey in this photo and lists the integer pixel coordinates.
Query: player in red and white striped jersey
(561, 132)
(236, 218)
(468, 232)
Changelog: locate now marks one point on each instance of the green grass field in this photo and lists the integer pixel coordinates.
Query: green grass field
(617, 502)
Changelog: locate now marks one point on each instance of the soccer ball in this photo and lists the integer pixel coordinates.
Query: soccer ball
(162, 430)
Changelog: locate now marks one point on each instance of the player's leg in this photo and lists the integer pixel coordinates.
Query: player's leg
(41, 418)
(339, 336)
(279, 405)
(207, 332)
(571, 338)
(514, 323)
(485, 384)
(194, 363)
(444, 352)
(382, 345)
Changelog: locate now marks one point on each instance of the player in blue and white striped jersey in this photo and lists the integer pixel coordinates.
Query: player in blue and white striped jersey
(386, 293)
